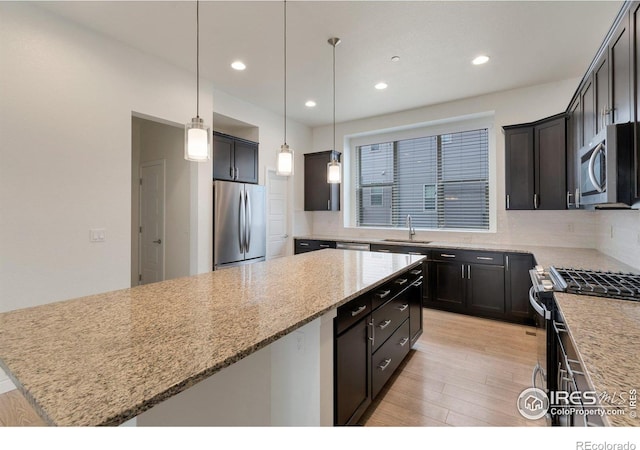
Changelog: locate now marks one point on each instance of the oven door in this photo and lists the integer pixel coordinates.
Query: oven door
(593, 174)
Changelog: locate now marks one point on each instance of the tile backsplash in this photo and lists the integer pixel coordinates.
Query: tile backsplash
(554, 228)
(615, 233)
(618, 235)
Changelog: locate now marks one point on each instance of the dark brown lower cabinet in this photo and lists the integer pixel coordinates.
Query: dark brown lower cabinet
(389, 356)
(415, 306)
(484, 284)
(373, 334)
(517, 284)
(352, 373)
(448, 289)
(485, 290)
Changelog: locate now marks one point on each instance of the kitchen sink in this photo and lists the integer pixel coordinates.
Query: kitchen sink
(412, 241)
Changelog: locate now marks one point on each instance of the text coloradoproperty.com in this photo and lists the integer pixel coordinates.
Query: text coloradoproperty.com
(589, 445)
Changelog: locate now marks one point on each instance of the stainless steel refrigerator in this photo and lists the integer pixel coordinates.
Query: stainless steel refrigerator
(239, 224)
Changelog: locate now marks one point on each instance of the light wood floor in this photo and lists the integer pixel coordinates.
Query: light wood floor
(463, 371)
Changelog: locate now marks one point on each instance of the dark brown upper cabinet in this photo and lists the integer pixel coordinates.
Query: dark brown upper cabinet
(535, 164)
(318, 194)
(234, 159)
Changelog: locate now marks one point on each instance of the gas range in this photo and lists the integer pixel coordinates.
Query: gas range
(624, 286)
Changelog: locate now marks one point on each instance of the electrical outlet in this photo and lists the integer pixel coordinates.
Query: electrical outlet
(611, 231)
(97, 235)
(570, 227)
(638, 239)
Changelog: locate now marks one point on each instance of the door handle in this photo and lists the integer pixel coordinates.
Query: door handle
(385, 364)
(159, 241)
(355, 312)
(535, 201)
(592, 162)
(248, 220)
(241, 223)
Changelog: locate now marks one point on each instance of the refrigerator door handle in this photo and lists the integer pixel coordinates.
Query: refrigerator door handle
(247, 206)
(241, 223)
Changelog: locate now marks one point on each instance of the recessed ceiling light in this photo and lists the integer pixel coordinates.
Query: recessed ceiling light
(381, 85)
(310, 104)
(238, 65)
(395, 58)
(480, 60)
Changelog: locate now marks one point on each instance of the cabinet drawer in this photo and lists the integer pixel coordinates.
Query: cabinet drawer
(392, 248)
(388, 290)
(309, 245)
(494, 258)
(447, 255)
(469, 256)
(388, 318)
(388, 357)
(352, 312)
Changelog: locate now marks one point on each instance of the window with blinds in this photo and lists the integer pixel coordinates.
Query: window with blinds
(441, 181)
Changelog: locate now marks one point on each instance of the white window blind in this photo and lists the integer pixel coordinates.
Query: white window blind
(441, 181)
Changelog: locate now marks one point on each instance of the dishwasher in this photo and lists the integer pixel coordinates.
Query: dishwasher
(353, 246)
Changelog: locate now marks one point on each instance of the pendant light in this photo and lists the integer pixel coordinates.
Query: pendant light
(284, 166)
(334, 172)
(197, 136)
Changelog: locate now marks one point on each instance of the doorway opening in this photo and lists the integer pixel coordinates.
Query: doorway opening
(160, 206)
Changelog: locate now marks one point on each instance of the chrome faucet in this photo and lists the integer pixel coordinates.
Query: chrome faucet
(412, 231)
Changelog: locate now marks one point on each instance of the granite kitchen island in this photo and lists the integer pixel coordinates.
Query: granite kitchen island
(249, 345)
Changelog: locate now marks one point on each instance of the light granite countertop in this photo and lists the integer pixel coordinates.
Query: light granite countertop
(104, 359)
(606, 335)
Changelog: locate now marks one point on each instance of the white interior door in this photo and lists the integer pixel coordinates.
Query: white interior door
(152, 175)
(277, 215)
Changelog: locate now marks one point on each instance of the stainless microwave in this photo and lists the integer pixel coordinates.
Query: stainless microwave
(606, 167)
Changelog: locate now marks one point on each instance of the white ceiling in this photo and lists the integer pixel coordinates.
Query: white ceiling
(528, 42)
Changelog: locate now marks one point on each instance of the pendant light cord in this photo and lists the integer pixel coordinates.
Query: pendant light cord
(197, 58)
(334, 96)
(285, 72)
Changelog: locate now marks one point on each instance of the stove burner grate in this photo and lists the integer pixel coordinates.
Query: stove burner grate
(624, 286)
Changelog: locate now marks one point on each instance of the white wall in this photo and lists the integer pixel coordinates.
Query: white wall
(67, 95)
(562, 228)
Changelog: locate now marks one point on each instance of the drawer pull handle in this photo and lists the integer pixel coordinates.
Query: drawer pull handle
(324, 245)
(385, 364)
(385, 324)
(417, 283)
(415, 253)
(401, 281)
(404, 341)
(355, 312)
(446, 255)
(403, 307)
(416, 272)
(383, 294)
(484, 258)
(304, 244)
(384, 250)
